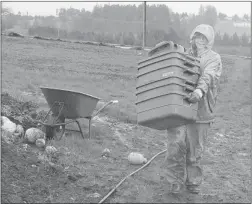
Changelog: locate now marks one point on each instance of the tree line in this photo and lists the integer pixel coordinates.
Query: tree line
(123, 24)
(128, 38)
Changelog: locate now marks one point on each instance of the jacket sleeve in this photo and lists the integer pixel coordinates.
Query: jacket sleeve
(211, 73)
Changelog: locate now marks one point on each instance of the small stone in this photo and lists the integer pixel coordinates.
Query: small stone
(105, 152)
(40, 143)
(50, 150)
(8, 125)
(32, 134)
(94, 195)
(136, 158)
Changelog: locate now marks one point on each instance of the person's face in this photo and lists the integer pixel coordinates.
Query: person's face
(200, 39)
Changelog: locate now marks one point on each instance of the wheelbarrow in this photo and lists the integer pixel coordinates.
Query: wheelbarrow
(66, 104)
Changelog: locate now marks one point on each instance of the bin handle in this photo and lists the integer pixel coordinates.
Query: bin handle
(188, 88)
(190, 57)
(190, 71)
(186, 62)
(174, 92)
(189, 82)
(160, 46)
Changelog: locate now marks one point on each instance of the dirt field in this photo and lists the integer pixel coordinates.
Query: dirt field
(109, 73)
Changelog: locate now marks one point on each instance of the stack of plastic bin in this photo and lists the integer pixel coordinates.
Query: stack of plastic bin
(165, 80)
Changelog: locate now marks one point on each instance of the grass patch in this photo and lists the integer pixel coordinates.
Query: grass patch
(64, 71)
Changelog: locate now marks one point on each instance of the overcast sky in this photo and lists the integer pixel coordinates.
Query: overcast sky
(49, 8)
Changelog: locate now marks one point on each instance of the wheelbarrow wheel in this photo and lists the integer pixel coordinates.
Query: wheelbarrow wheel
(58, 131)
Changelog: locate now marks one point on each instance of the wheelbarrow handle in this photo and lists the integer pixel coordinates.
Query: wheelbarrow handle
(104, 106)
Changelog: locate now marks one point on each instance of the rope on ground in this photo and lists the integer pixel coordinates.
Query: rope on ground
(130, 175)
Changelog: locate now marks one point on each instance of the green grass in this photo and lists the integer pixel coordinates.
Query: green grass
(108, 73)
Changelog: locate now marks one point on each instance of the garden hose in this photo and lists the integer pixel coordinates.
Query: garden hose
(130, 175)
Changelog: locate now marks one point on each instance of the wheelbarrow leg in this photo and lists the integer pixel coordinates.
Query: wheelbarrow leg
(89, 128)
(78, 123)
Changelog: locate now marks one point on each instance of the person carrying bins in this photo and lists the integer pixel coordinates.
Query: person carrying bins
(186, 143)
(177, 91)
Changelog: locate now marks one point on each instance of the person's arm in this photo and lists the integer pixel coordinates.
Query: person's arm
(209, 77)
(211, 74)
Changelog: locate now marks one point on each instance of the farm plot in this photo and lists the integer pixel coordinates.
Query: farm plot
(109, 73)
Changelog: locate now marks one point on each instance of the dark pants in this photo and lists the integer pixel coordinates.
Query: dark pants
(185, 146)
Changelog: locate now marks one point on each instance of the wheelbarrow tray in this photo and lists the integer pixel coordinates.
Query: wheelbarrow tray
(76, 104)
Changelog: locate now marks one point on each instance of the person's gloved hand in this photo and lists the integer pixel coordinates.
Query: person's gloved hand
(195, 96)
